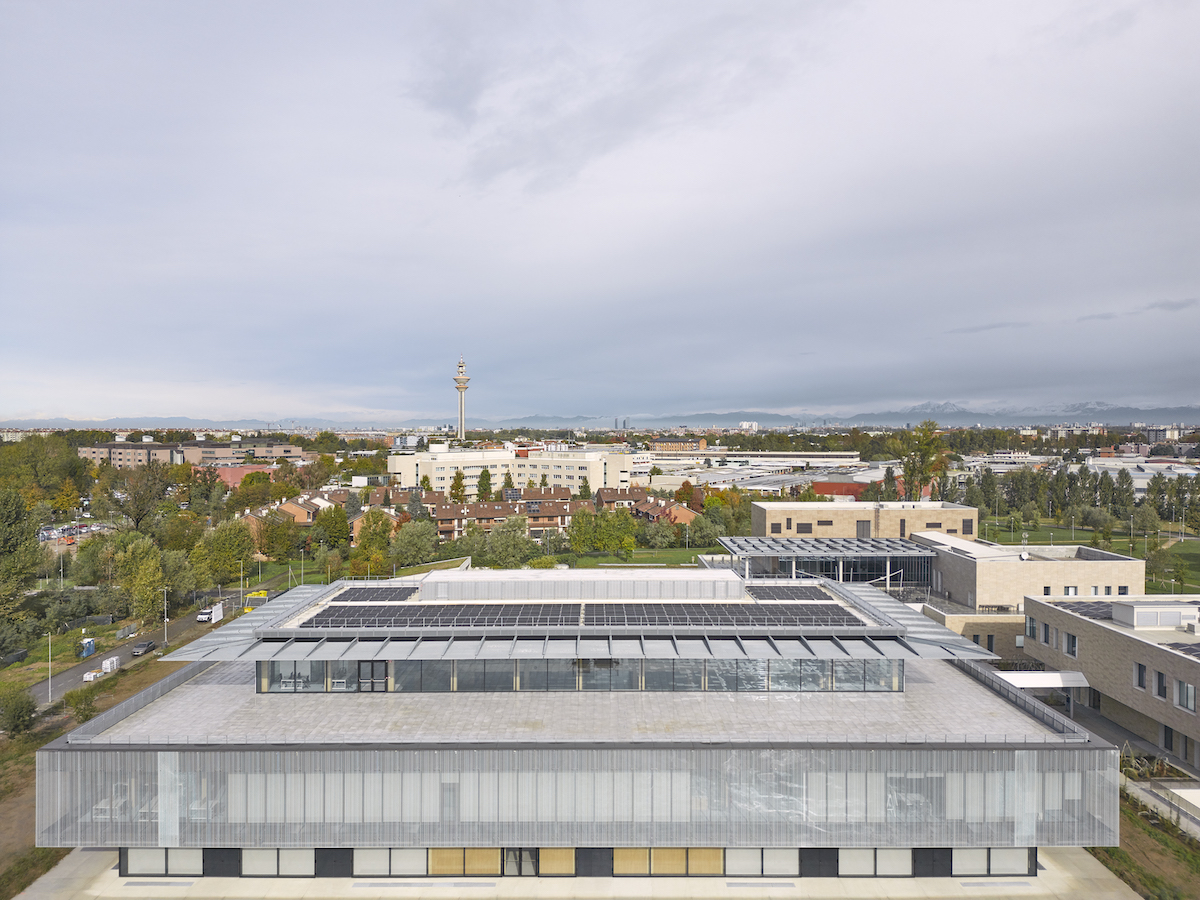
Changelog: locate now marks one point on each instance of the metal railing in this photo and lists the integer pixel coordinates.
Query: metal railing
(1044, 714)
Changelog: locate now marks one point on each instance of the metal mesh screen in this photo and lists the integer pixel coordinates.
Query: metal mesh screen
(587, 798)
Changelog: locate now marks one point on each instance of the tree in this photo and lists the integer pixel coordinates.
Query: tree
(425, 484)
(223, 552)
(138, 498)
(18, 709)
(684, 494)
(508, 481)
(890, 489)
(1157, 562)
(585, 489)
(1179, 572)
(509, 544)
(655, 470)
(1145, 519)
(704, 532)
(416, 509)
(67, 497)
(375, 531)
(19, 553)
(581, 533)
(458, 488)
(334, 524)
(181, 530)
(545, 480)
(660, 534)
(483, 488)
(140, 574)
(353, 505)
(415, 543)
(922, 453)
(277, 535)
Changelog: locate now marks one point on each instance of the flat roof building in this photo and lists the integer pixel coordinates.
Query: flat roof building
(851, 519)
(1139, 654)
(996, 578)
(634, 722)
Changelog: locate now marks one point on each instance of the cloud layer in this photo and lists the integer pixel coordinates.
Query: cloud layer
(291, 209)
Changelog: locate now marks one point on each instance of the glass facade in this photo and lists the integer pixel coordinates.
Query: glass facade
(497, 676)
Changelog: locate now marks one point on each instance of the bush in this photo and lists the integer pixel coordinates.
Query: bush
(18, 710)
(543, 562)
(82, 702)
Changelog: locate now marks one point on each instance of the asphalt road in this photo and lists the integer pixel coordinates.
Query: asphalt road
(71, 678)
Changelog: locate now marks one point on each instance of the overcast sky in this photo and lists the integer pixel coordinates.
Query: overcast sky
(290, 209)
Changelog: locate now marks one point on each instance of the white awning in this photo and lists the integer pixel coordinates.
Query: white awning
(1045, 679)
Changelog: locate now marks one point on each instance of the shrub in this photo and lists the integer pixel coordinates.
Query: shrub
(82, 702)
(18, 710)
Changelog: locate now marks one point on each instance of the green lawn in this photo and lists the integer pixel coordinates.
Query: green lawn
(671, 556)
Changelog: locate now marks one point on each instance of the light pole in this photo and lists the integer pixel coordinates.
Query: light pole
(50, 680)
(165, 619)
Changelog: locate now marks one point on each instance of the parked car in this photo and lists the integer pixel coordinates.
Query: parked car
(143, 647)
(205, 615)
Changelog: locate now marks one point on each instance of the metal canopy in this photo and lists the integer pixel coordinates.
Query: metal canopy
(824, 548)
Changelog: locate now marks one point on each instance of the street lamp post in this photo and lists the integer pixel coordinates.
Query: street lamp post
(50, 679)
(165, 619)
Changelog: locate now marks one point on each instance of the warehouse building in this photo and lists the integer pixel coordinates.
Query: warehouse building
(636, 723)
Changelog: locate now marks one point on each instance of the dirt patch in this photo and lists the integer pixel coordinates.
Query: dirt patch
(1155, 858)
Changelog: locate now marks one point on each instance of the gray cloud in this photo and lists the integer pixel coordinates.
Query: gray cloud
(991, 326)
(282, 210)
(1172, 305)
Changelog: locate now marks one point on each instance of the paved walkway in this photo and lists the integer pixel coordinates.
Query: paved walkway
(1069, 873)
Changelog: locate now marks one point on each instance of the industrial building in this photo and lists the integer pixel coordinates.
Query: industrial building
(620, 723)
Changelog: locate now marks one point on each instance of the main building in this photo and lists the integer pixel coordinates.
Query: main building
(573, 723)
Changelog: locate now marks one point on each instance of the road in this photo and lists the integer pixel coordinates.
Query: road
(71, 678)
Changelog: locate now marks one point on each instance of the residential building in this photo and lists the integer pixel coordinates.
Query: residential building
(1140, 655)
(619, 498)
(562, 468)
(848, 519)
(677, 444)
(630, 723)
(656, 509)
(128, 454)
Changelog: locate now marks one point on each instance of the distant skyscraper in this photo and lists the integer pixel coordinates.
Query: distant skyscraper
(460, 384)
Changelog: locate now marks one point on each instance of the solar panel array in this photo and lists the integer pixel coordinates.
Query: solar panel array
(1099, 610)
(717, 615)
(447, 615)
(786, 592)
(594, 615)
(376, 595)
(1192, 650)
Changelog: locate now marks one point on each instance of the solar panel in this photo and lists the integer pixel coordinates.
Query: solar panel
(1090, 609)
(717, 615)
(375, 595)
(446, 615)
(594, 615)
(1192, 650)
(786, 592)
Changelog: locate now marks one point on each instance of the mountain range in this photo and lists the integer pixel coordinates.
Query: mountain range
(945, 413)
